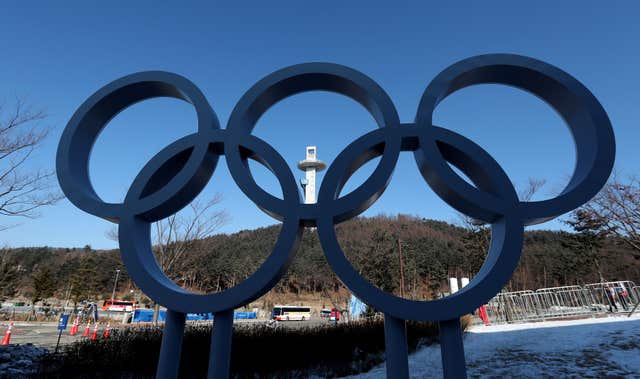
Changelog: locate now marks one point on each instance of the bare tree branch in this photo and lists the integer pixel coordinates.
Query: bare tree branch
(181, 233)
(526, 194)
(533, 186)
(23, 190)
(616, 209)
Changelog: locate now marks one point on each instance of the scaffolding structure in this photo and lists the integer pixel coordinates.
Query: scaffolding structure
(590, 300)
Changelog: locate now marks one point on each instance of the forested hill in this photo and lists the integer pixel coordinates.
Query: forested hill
(432, 251)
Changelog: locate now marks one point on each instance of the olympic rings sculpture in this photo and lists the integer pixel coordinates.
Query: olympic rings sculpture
(175, 176)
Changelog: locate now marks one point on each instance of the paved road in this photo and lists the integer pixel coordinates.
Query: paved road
(38, 333)
(46, 333)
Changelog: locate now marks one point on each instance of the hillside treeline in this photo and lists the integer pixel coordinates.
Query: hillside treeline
(432, 251)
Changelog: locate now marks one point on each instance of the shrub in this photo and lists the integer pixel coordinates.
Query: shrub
(258, 351)
(324, 351)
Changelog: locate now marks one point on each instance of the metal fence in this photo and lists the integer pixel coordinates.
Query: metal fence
(589, 300)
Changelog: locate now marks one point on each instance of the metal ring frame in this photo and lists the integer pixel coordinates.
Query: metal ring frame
(175, 176)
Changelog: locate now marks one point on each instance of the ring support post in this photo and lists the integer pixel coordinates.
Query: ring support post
(396, 349)
(452, 350)
(220, 354)
(169, 359)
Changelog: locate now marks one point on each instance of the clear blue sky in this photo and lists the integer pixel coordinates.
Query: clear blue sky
(58, 53)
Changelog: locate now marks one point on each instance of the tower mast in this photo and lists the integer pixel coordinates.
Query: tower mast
(310, 165)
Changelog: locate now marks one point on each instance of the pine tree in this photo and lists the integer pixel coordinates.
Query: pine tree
(586, 242)
(44, 285)
(8, 276)
(83, 281)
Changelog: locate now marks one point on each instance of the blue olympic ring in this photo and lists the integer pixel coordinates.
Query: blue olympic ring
(175, 176)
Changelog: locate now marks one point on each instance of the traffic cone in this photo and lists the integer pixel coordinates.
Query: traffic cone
(94, 335)
(86, 331)
(74, 327)
(7, 337)
(107, 331)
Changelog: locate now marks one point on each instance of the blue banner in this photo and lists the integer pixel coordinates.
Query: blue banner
(356, 306)
(245, 315)
(146, 315)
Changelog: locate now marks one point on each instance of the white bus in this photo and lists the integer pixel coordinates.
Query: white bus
(119, 306)
(290, 313)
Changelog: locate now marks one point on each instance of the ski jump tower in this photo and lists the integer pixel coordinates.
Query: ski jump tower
(310, 165)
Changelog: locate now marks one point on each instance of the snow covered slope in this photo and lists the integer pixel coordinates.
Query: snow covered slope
(591, 348)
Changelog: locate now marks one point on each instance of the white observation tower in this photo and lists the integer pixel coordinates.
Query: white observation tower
(310, 166)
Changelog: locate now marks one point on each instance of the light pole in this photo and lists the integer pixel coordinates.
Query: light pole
(113, 293)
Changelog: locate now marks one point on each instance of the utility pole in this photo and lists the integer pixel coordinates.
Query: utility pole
(115, 283)
(113, 294)
(401, 268)
(68, 296)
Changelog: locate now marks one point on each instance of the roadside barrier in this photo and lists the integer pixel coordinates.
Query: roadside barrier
(74, 327)
(7, 336)
(107, 331)
(561, 302)
(619, 296)
(87, 330)
(94, 335)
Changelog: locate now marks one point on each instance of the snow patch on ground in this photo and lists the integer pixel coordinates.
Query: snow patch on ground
(589, 348)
